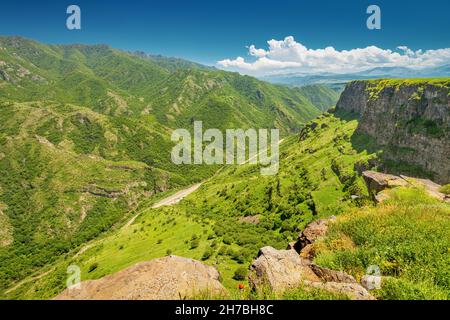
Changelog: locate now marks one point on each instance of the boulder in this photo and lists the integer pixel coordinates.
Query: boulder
(168, 278)
(329, 275)
(352, 290)
(312, 232)
(377, 181)
(430, 187)
(381, 197)
(279, 270)
(308, 252)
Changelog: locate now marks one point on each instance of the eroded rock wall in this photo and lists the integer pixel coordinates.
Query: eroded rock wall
(409, 119)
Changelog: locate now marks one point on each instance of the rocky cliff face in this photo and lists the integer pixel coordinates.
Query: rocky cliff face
(409, 119)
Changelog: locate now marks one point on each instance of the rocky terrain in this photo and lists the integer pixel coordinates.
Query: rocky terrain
(273, 270)
(165, 278)
(378, 183)
(409, 119)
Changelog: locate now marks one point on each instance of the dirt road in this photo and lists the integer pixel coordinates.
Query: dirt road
(177, 197)
(170, 200)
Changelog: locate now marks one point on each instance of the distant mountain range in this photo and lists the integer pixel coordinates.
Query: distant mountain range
(337, 81)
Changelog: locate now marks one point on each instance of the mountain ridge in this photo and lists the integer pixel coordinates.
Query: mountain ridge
(85, 139)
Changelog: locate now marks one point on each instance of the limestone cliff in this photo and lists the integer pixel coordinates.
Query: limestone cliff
(409, 120)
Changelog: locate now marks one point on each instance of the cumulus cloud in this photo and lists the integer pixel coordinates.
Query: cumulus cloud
(288, 56)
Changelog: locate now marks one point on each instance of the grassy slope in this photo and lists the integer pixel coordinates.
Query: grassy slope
(325, 100)
(407, 237)
(81, 122)
(302, 191)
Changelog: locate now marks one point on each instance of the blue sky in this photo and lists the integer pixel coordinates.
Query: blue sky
(210, 31)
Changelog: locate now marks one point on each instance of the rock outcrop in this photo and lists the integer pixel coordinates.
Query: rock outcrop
(328, 275)
(378, 183)
(279, 270)
(410, 120)
(309, 235)
(168, 278)
(354, 291)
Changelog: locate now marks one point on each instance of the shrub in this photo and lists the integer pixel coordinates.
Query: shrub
(207, 254)
(240, 274)
(445, 189)
(194, 243)
(92, 267)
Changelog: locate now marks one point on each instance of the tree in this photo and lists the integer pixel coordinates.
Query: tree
(240, 274)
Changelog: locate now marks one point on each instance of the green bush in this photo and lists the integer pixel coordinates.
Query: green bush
(240, 274)
(194, 244)
(92, 267)
(207, 254)
(445, 189)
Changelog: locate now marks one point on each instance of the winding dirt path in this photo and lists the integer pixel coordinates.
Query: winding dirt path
(180, 195)
(170, 200)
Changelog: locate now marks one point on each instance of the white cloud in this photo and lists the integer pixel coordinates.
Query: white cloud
(288, 55)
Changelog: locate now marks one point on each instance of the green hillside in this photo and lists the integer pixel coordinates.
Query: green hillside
(85, 139)
(231, 216)
(325, 100)
(238, 211)
(117, 83)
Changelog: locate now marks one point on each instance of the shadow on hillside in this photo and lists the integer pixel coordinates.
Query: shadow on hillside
(360, 141)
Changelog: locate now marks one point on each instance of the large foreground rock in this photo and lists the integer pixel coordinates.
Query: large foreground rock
(169, 278)
(279, 270)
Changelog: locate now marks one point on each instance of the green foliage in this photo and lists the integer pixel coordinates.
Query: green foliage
(240, 274)
(207, 254)
(194, 243)
(445, 189)
(92, 267)
(85, 136)
(407, 237)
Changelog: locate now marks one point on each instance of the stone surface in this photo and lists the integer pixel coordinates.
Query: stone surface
(308, 252)
(431, 187)
(377, 181)
(329, 275)
(312, 232)
(353, 290)
(168, 278)
(279, 270)
(398, 118)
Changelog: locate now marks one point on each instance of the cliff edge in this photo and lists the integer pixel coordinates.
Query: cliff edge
(408, 119)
